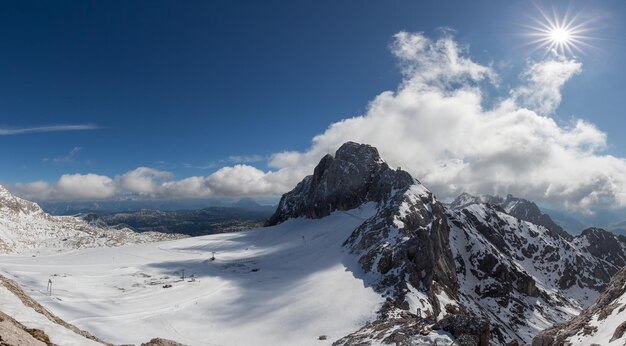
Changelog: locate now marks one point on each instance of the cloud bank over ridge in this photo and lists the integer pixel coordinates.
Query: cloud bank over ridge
(435, 126)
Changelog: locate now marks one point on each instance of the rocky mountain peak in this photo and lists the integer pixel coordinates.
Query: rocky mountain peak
(605, 245)
(487, 260)
(355, 175)
(15, 205)
(518, 207)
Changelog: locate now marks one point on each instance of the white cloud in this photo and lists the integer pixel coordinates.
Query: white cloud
(85, 186)
(436, 127)
(71, 157)
(36, 190)
(233, 159)
(239, 180)
(544, 80)
(68, 187)
(4, 131)
(142, 181)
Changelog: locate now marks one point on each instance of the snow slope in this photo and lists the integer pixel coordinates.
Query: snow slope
(603, 323)
(14, 307)
(26, 228)
(282, 285)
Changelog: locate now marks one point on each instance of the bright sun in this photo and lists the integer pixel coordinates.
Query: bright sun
(560, 35)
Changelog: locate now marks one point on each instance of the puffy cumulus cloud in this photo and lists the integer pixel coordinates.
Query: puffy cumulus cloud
(544, 81)
(142, 181)
(85, 186)
(239, 180)
(36, 190)
(435, 125)
(68, 187)
(439, 63)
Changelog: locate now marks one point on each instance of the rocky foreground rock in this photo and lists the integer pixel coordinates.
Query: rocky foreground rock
(603, 323)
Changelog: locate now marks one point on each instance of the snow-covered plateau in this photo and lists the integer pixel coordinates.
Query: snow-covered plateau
(283, 285)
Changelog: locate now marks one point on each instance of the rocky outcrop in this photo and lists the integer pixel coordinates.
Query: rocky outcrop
(605, 245)
(161, 342)
(466, 329)
(355, 175)
(524, 273)
(14, 288)
(406, 242)
(517, 207)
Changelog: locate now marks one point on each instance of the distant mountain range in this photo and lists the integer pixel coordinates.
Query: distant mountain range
(576, 222)
(245, 215)
(130, 205)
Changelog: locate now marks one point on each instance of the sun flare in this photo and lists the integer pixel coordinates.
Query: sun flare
(560, 35)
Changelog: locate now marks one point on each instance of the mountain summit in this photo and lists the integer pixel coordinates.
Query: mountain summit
(355, 175)
(486, 270)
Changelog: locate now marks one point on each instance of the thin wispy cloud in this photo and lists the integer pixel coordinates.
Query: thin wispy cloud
(7, 131)
(70, 158)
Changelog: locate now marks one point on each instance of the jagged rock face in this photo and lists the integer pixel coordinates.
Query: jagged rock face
(504, 266)
(473, 260)
(24, 227)
(407, 243)
(517, 207)
(408, 236)
(604, 245)
(466, 329)
(355, 175)
(602, 323)
(522, 275)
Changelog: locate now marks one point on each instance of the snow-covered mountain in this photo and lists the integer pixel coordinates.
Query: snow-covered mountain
(603, 323)
(523, 276)
(518, 207)
(482, 268)
(358, 253)
(25, 227)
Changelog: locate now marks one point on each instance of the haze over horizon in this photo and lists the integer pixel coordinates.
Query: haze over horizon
(198, 100)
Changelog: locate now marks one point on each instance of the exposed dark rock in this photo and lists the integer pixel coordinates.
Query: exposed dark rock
(619, 332)
(484, 259)
(518, 207)
(604, 307)
(605, 245)
(467, 330)
(161, 342)
(355, 175)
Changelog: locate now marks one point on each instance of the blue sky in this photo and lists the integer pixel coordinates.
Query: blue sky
(186, 88)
